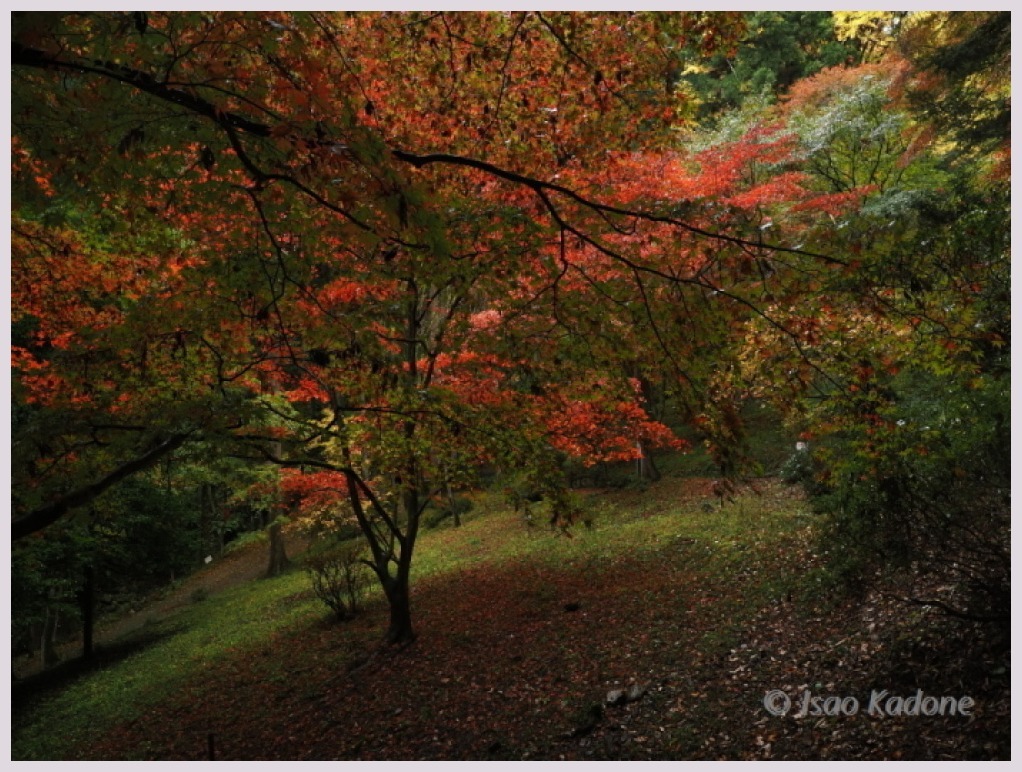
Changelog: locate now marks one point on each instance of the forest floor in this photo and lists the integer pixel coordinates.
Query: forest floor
(523, 634)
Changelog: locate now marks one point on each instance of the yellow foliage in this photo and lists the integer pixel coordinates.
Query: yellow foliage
(873, 30)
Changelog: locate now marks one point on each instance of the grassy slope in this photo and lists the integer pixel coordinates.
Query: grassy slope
(706, 608)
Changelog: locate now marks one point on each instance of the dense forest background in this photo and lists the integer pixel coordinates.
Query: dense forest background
(347, 282)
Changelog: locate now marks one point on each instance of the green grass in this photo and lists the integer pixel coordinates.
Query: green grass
(201, 635)
(627, 525)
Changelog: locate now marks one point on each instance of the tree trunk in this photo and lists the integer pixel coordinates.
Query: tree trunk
(47, 646)
(400, 629)
(278, 557)
(397, 588)
(645, 467)
(207, 515)
(450, 503)
(87, 600)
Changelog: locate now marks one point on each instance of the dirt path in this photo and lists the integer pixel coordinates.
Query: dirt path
(233, 569)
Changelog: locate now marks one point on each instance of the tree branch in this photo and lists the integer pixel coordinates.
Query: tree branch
(419, 161)
(233, 123)
(46, 515)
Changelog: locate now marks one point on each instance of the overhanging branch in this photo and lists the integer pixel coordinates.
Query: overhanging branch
(232, 124)
(45, 516)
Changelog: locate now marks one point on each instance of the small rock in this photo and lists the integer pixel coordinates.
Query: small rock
(617, 697)
(636, 692)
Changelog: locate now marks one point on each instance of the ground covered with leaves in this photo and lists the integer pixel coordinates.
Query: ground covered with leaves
(684, 613)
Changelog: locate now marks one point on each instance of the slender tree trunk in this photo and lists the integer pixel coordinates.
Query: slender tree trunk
(278, 556)
(221, 535)
(207, 515)
(88, 605)
(654, 400)
(654, 472)
(397, 589)
(647, 467)
(454, 509)
(47, 647)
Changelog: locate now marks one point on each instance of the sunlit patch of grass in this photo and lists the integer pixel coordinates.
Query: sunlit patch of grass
(621, 527)
(203, 634)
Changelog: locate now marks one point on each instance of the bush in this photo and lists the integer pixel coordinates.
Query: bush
(928, 488)
(340, 577)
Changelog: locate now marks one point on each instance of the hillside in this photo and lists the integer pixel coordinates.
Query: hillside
(236, 567)
(522, 633)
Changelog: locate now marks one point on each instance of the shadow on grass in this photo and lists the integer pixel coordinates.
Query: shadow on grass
(25, 691)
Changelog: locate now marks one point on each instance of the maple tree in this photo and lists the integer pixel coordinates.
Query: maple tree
(380, 250)
(272, 244)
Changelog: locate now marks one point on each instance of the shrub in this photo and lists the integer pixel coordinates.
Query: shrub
(929, 488)
(340, 577)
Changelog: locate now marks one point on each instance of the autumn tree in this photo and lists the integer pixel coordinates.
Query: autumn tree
(777, 48)
(872, 33)
(963, 86)
(910, 423)
(284, 246)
